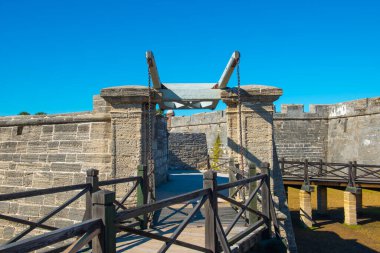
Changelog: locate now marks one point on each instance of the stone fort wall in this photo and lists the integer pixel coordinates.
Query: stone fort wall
(335, 133)
(56, 150)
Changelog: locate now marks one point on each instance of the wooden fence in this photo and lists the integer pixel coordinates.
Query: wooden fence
(105, 216)
(351, 173)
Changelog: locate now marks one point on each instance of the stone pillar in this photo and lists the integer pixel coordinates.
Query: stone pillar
(257, 123)
(129, 116)
(305, 208)
(322, 199)
(350, 211)
(169, 115)
(258, 146)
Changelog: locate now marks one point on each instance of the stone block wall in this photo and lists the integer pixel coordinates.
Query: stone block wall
(49, 151)
(334, 133)
(354, 131)
(56, 150)
(187, 150)
(199, 130)
(300, 135)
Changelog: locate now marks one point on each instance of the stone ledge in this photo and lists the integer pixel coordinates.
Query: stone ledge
(54, 119)
(252, 93)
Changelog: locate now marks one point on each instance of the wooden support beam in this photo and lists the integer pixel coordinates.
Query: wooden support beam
(234, 60)
(153, 70)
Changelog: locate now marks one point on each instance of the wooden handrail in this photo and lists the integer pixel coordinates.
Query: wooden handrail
(52, 237)
(148, 208)
(32, 193)
(119, 181)
(240, 182)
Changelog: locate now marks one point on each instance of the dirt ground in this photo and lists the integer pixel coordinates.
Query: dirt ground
(330, 235)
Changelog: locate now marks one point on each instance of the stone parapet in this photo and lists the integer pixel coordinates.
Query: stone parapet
(130, 94)
(251, 93)
(51, 119)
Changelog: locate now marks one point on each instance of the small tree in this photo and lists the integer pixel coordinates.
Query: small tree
(24, 113)
(160, 112)
(216, 153)
(41, 113)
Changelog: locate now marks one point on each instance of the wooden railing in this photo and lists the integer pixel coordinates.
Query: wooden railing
(89, 226)
(83, 232)
(214, 230)
(351, 172)
(105, 216)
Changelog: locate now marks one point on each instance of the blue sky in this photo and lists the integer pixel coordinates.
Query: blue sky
(54, 55)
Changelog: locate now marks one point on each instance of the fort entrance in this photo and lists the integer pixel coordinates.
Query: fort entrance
(249, 123)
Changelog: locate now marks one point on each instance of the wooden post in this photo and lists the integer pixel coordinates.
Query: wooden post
(211, 210)
(265, 201)
(93, 179)
(142, 193)
(306, 173)
(322, 199)
(104, 209)
(320, 172)
(231, 176)
(350, 178)
(282, 164)
(252, 172)
(354, 171)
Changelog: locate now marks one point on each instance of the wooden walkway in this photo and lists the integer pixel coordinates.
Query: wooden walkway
(169, 218)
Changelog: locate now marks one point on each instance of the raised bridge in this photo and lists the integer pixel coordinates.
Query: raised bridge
(350, 177)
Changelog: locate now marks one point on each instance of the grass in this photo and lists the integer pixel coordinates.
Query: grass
(330, 235)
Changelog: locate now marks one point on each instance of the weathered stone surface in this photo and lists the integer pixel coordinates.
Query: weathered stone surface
(305, 208)
(66, 167)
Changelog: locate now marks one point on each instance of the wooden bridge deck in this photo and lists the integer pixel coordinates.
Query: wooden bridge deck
(169, 218)
(168, 221)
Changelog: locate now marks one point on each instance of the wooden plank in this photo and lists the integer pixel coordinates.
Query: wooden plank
(52, 237)
(222, 235)
(241, 211)
(49, 215)
(104, 210)
(119, 181)
(147, 208)
(26, 222)
(240, 205)
(142, 193)
(183, 225)
(232, 63)
(32, 193)
(210, 210)
(252, 217)
(82, 241)
(236, 238)
(193, 92)
(152, 67)
(163, 238)
(240, 182)
(120, 203)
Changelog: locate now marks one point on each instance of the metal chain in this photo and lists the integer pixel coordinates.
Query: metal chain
(150, 140)
(241, 151)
